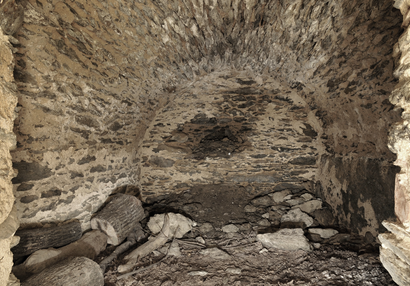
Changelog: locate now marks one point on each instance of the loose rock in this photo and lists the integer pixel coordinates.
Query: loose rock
(323, 232)
(285, 239)
(297, 216)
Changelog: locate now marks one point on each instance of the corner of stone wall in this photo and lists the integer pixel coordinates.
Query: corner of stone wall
(395, 246)
(9, 222)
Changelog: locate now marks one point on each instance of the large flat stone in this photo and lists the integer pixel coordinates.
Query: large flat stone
(285, 239)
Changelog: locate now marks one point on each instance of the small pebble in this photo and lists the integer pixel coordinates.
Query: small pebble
(200, 239)
(264, 250)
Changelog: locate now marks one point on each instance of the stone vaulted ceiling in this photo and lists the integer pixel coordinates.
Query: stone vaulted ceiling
(92, 75)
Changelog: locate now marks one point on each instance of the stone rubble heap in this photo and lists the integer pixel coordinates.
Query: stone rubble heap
(290, 220)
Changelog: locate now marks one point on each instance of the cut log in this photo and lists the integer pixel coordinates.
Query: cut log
(90, 245)
(119, 217)
(72, 271)
(46, 237)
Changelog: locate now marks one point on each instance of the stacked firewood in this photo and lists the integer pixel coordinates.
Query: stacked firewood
(118, 223)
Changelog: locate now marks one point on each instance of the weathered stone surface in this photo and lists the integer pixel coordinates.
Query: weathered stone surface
(206, 228)
(8, 101)
(279, 197)
(285, 239)
(323, 232)
(229, 137)
(250, 209)
(358, 190)
(398, 269)
(297, 216)
(262, 201)
(7, 262)
(310, 206)
(324, 217)
(179, 225)
(292, 81)
(91, 79)
(9, 227)
(230, 228)
(215, 253)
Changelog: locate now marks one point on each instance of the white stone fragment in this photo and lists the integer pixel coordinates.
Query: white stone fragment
(266, 215)
(279, 197)
(288, 197)
(316, 245)
(200, 239)
(198, 273)
(285, 239)
(179, 225)
(323, 232)
(156, 253)
(263, 250)
(230, 228)
(233, 270)
(250, 209)
(294, 202)
(310, 206)
(174, 249)
(296, 215)
(264, 222)
(307, 197)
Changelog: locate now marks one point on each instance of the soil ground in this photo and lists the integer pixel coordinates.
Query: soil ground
(242, 260)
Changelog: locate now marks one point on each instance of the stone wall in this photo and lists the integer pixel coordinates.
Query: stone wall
(394, 252)
(8, 101)
(232, 128)
(92, 75)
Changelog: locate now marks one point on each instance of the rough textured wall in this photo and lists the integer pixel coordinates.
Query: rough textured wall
(394, 251)
(88, 89)
(93, 73)
(231, 128)
(8, 101)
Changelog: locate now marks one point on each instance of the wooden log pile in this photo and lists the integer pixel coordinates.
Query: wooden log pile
(90, 245)
(34, 239)
(71, 271)
(119, 217)
(72, 264)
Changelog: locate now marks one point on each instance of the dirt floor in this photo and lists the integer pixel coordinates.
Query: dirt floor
(241, 260)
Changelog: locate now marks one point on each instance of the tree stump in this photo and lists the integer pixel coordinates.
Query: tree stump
(46, 237)
(72, 271)
(119, 217)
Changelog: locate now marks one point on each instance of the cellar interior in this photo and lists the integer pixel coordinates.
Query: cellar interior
(219, 110)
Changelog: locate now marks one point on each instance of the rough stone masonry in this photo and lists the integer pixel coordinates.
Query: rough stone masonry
(91, 76)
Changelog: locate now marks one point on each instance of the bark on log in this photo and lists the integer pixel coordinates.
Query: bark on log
(46, 237)
(119, 217)
(72, 271)
(90, 245)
